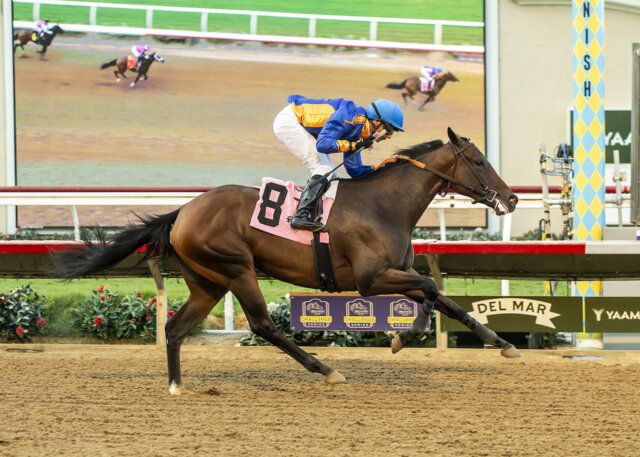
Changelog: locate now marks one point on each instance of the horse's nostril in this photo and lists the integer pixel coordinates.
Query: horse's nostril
(513, 199)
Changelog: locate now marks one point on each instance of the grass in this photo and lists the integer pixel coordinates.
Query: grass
(457, 10)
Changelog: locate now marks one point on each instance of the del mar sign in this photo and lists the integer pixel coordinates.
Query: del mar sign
(521, 314)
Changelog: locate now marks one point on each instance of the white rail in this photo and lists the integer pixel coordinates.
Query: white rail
(149, 29)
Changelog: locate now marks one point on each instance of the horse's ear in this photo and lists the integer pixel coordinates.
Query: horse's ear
(452, 136)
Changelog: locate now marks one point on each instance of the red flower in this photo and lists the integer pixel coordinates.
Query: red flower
(146, 332)
(139, 294)
(40, 322)
(20, 331)
(4, 300)
(102, 297)
(98, 320)
(148, 317)
(101, 288)
(134, 320)
(154, 299)
(124, 322)
(170, 313)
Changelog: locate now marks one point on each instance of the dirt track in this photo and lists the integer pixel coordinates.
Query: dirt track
(113, 400)
(204, 117)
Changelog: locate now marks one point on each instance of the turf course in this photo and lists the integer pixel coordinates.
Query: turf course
(455, 10)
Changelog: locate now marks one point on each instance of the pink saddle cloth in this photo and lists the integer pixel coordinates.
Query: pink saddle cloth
(276, 206)
(426, 84)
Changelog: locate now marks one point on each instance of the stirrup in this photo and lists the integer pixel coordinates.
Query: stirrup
(303, 223)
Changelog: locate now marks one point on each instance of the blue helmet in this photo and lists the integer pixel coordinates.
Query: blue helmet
(439, 69)
(389, 112)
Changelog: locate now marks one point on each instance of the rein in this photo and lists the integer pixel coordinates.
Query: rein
(487, 195)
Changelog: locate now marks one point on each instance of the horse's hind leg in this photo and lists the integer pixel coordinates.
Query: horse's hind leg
(203, 297)
(248, 292)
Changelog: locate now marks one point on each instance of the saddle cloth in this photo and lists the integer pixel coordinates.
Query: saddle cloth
(131, 62)
(426, 84)
(276, 206)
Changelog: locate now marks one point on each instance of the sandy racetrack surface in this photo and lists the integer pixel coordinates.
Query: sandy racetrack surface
(113, 400)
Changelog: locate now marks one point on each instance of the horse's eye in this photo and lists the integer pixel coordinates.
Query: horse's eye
(480, 163)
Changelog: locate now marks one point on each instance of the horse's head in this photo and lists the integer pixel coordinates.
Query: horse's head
(157, 57)
(474, 177)
(448, 76)
(57, 30)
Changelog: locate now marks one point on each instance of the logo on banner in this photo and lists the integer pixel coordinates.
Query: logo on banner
(616, 315)
(315, 314)
(359, 314)
(511, 305)
(402, 313)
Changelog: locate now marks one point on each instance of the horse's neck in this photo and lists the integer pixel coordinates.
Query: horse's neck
(405, 192)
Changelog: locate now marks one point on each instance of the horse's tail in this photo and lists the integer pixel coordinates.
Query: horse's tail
(96, 256)
(108, 64)
(396, 85)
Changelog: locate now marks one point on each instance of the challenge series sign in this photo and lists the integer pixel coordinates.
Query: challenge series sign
(351, 312)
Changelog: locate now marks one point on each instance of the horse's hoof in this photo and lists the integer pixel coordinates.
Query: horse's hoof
(396, 344)
(334, 378)
(510, 352)
(175, 389)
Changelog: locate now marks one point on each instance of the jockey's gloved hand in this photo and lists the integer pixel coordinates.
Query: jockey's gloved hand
(365, 143)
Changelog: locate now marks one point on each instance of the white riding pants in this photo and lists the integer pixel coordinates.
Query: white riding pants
(303, 145)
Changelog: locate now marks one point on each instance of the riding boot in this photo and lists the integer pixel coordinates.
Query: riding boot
(312, 192)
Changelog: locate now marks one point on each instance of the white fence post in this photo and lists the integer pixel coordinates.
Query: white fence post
(253, 28)
(312, 27)
(204, 19)
(93, 15)
(149, 18)
(437, 34)
(36, 11)
(228, 311)
(373, 30)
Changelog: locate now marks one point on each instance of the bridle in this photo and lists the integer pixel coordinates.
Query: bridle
(485, 195)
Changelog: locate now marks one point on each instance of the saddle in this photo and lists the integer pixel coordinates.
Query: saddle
(131, 62)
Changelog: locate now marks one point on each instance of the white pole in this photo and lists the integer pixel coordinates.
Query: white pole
(506, 236)
(228, 311)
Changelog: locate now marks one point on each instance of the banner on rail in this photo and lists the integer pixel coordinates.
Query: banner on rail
(612, 314)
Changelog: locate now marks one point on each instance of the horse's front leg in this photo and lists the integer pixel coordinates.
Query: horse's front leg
(430, 98)
(488, 336)
(136, 80)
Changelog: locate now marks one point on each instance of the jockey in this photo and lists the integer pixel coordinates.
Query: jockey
(314, 128)
(138, 52)
(428, 72)
(42, 27)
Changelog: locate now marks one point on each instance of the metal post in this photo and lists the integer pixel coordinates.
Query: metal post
(635, 138)
(76, 223)
(161, 302)
(617, 178)
(228, 311)
(443, 225)
(506, 236)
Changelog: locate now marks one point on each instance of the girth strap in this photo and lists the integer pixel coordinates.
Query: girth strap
(324, 266)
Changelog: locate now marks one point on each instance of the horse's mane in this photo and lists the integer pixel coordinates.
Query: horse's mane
(411, 152)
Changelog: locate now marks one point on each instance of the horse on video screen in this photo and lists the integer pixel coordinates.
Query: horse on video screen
(123, 64)
(412, 87)
(370, 225)
(22, 37)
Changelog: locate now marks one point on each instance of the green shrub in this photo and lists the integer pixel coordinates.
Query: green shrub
(20, 314)
(107, 316)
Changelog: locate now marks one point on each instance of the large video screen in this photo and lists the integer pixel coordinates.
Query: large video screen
(204, 116)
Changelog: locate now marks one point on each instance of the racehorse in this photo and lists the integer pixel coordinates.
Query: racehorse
(412, 87)
(23, 37)
(123, 64)
(370, 225)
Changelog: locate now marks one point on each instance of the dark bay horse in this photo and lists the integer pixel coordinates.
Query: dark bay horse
(412, 87)
(22, 37)
(122, 65)
(370, 223)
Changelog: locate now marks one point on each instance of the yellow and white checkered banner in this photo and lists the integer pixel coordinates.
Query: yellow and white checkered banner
(588, 126)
